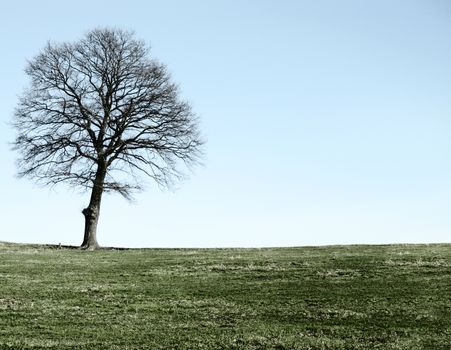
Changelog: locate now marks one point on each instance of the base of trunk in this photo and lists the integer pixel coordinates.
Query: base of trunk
(89, 246)
(90, 236)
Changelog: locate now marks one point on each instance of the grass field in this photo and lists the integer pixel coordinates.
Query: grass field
(338, 297)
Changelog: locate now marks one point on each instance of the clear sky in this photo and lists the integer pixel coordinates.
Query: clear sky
(328, 122)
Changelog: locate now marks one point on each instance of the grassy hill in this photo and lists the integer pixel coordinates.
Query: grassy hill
(338, 297)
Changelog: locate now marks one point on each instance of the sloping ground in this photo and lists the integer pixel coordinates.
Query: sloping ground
(338, 297)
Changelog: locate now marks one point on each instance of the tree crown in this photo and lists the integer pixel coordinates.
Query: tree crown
(103, 103)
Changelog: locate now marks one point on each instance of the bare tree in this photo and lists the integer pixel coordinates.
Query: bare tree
(98, 114)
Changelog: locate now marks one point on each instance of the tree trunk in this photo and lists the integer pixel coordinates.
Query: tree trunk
(91, 213)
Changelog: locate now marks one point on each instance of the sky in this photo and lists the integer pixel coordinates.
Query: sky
(327, 122)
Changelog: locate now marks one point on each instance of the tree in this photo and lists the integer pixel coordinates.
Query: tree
(100, 113)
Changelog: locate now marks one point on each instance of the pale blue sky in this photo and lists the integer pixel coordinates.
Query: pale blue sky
(328, 122)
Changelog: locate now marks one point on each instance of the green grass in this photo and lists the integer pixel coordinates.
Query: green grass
(338, 297)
